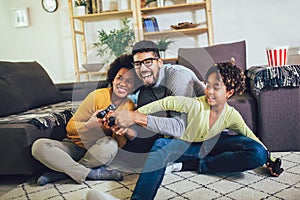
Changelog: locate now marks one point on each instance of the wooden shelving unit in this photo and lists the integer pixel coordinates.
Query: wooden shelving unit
(137, 13)
(104, 15)
(207, 28)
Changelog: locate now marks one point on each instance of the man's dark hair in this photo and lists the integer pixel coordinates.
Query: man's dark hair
(145, 46)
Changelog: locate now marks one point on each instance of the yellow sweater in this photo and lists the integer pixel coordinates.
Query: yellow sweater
(96, 100)
(198, 111)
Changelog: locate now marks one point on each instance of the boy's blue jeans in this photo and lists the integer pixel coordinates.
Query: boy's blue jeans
(225, 153)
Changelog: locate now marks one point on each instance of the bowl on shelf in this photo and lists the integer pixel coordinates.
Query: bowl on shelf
(183, 25)
(93, 67)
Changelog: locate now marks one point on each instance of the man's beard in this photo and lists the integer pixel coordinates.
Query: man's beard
(150, 84)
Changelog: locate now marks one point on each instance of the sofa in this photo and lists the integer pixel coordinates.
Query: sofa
(33, 107)
(273, 112)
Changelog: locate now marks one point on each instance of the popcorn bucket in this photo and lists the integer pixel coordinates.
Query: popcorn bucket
(277, 56)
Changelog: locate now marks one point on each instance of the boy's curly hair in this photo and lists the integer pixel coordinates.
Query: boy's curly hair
(232, 76)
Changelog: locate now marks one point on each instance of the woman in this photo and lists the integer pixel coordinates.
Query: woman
(89, 144)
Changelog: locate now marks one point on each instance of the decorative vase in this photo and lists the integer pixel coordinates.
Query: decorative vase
(168, 3)
(162, 53)
(124, 4)
(79, 10)
(190, 1)
(110, 5)
(160, 3)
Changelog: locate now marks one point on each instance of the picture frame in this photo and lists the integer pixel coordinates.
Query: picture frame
(20, 17)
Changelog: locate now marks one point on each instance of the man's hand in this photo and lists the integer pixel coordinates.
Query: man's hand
(124, 118)
(129, 133)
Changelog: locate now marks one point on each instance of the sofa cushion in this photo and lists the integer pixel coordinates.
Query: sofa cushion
(200, 59)
(31, 82)
(247, 107)
(11, 102)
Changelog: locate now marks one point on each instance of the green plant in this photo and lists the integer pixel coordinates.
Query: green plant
(149, 1)
(115, 41)
(80, 3)
(163, 43)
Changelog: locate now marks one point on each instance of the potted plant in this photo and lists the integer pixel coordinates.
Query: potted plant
(116, 41)
(163, 44)
(80, 3)
(80, 7)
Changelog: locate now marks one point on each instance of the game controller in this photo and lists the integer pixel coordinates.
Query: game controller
(101, 114)
(275, 165)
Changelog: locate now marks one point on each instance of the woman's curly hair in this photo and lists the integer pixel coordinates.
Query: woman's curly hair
(232, 76)
(123, 61)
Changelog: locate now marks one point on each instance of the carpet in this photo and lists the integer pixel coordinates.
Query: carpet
(249, 185)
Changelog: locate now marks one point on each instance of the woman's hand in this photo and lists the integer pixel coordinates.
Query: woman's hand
(94, 122)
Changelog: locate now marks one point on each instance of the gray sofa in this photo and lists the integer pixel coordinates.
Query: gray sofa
(28, 97)
(273, 113)
(278, 103)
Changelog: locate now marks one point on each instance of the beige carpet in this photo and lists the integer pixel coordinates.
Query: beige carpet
(254, 184)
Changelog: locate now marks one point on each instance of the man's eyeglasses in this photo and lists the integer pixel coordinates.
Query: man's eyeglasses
(147, 62)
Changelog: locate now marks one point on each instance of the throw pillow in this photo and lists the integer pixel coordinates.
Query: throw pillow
(31, 82)
(11, 102)
(200, 59)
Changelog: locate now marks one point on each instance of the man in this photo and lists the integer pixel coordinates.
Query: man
(159, 80)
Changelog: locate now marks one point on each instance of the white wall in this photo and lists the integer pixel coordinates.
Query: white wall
(261, 23)
(47, 40)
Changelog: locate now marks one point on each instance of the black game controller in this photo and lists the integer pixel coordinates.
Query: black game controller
(275, 165)
(111, 121)
(101, 114)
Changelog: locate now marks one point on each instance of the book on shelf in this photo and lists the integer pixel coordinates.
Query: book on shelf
(154, 21)
(89, 6)
(150, 24)
(99, 6)
(94, 6)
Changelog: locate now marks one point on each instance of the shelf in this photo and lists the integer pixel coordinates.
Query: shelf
(136, 13)
(170, 60)
(92, 73)
(176, 31)
(103, 15)
(175, 8)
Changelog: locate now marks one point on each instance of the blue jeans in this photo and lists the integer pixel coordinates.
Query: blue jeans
(224, 153)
